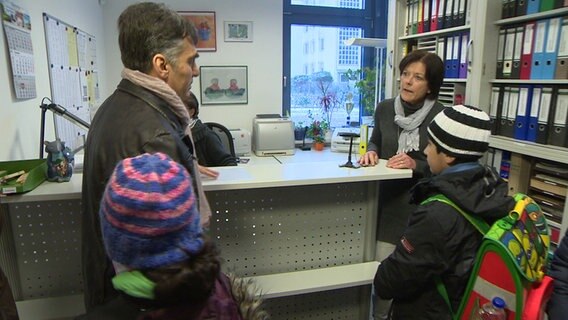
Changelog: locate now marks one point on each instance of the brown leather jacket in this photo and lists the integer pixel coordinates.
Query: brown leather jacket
(130, 122)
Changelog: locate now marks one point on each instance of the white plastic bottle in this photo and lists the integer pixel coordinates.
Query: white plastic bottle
(493, 310)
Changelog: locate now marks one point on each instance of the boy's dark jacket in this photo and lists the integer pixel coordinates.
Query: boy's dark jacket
(439, 241)
(232, 299)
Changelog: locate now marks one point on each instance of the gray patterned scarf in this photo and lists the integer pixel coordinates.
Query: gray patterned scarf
(409, 138)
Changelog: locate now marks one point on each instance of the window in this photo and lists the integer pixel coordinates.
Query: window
(315, 76)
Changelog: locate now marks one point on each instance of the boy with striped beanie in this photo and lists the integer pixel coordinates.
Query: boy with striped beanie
(438, 241)
(165, 267)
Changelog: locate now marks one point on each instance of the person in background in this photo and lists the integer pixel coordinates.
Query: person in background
(557, 307)
(208, 146)
(214, 86)
(165, 267)
(399, 136)
(438, 240)
(8, 310)
(144, 114)
(233, 86)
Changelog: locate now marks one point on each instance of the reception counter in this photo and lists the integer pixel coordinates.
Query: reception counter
(300, 225)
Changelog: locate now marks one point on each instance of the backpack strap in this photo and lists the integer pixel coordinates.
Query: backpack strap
(444, 293)
(481, 226)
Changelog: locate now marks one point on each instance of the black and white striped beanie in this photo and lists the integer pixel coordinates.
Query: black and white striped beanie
(461, 131)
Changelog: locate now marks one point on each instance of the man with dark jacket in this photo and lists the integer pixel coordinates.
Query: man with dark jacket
(144, 114)
(439, 241)
(558, 304)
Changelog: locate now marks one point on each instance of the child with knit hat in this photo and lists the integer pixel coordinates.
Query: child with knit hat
(439, 241)
(165, 267)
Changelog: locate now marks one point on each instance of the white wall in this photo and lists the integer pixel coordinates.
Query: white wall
(20, 120)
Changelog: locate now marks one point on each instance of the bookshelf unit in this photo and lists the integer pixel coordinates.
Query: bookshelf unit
(474, 51)
(537, 154)
(532, 156)
(483, 21)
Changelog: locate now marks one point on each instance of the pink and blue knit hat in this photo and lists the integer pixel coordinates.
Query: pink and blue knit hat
(149, 215)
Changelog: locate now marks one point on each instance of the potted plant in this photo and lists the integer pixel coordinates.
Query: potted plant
(329, 98)
(299, 131)
(317, 130)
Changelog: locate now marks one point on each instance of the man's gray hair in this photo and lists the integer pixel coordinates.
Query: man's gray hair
(146, 29)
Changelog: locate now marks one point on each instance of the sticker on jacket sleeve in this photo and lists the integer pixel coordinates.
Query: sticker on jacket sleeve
(407, 245)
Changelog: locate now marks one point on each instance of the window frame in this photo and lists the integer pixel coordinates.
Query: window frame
(372, 20)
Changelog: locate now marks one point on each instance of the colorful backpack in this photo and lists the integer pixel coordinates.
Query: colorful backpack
(510, 264)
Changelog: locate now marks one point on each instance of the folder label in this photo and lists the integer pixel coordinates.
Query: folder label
(561, 71)
(523, 96)
(544, 107)
(533, 119)
(535, 102)
(561, 113)
(538, 51)
(551, 53)
(527, 44)
(558, 135)
(508, 55)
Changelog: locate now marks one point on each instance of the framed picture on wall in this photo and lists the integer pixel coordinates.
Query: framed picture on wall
(223, 85)
(204, 22)
(238, 31)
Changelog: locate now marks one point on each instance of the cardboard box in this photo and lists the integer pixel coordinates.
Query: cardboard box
(36, 171)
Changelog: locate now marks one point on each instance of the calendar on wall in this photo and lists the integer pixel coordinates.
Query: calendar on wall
(73, 74)
(17, 27)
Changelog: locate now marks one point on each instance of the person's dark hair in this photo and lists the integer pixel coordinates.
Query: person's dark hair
(191, 281)
(146, 29)
(457, 159)
(192, 103)
(434, 69)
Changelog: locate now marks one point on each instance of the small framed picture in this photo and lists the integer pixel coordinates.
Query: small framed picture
(238, 31)
(204, 22)
(223, 84)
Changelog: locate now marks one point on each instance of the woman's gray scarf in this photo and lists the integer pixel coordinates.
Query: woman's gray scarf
(409, 138)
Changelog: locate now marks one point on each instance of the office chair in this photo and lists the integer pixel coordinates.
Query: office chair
(225, 136)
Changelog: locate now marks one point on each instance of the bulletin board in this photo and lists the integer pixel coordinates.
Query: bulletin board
(73, 74)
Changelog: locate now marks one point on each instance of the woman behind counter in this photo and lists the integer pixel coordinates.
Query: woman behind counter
(400, 137)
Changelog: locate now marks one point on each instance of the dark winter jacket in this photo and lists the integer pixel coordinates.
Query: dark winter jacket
(394, 197)
(8, 310)
(232, 299)
(125, 125)
(558, 304)
(209, 149)
(439, 241)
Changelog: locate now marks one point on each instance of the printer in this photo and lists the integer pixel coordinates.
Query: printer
(272, 134)
(241, 140)
(341, 144)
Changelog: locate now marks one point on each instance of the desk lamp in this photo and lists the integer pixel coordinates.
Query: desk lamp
(349, 164)
(62, 112)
